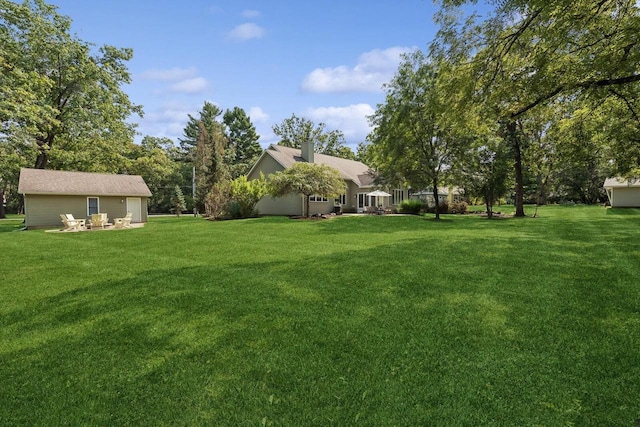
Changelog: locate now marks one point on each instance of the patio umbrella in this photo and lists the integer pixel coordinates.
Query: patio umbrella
(378, 193)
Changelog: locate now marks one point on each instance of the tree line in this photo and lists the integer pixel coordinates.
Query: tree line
(62, 106)
(538, 101)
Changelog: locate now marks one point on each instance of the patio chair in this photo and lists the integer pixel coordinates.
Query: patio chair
(72, 224)
(123, 222)
(371, 210)
(99, 220)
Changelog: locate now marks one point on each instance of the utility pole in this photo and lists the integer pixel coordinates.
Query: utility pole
(193, 190)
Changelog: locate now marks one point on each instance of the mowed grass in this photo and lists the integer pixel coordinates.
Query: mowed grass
(376, 321)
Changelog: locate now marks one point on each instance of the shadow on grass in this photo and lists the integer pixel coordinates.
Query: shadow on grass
(9, 225)
(634, 212)
(407, 333)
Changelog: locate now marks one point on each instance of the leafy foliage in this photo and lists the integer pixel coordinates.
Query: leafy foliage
(207, 147)
(413, 143)
(245, 195)
(294, 131)
(216, 201)
(154, 160)
(486, 172)
(67, 99)
(535, 54)
(410, 206)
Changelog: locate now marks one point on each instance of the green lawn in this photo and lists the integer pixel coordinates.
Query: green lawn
(371, 320)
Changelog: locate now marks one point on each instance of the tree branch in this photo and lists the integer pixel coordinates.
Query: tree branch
(587, 84)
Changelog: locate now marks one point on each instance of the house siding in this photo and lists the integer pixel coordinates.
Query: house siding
(44, 210)
(625, 197)
(352, 195)
(288, 205)
(267, 166)
(294, 204)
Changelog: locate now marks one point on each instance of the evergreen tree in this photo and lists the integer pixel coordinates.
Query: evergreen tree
(243, 141)
(178, 203)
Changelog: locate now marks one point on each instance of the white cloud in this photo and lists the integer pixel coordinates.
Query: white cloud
(194, 85)
(351, 120)
(172, 74)
(249, 14)
(257, 114)
(246, 31)
(168, 120)
(373, 69)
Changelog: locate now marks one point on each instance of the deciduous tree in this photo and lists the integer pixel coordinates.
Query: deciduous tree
(530, 53)
(414, 142)
(294, 131)
(485, 171)
(154, 160)
(307, 179)
(60, 91)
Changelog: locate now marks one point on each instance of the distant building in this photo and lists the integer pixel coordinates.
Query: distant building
(623, 193)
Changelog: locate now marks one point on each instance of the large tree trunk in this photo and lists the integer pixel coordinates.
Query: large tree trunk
(512, 135)
(41, 161)
(43, 153)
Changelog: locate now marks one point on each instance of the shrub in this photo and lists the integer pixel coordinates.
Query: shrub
(245, 195)
(410, 206)
(458, 207)
(443, 208)
(217, 200)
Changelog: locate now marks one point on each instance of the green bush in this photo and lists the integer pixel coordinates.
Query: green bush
(245, 195)
(443, 208)
(410, 206)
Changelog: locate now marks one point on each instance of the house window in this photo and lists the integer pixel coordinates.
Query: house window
(397, 197)
(93, 205)
(315, 198)
(341, 200)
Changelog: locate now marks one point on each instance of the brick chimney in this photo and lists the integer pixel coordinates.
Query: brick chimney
(307, 151)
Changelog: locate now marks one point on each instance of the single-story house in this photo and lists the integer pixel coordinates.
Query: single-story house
(445, 194)
(357, 176)
(49, 193)
(623, 193)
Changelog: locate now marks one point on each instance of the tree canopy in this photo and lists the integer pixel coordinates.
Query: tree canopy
(413, 142)
(60, 92)
(307, 179)
(532, 54)
(294, 131)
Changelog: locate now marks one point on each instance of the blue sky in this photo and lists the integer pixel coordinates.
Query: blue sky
(325, 60)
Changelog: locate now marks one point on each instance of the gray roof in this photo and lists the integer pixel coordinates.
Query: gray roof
(40, 181)
(350, 170)
(621, 183)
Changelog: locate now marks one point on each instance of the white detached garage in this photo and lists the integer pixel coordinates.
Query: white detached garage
(623, 193)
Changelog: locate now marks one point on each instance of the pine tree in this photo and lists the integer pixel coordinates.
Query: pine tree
(178, 203)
